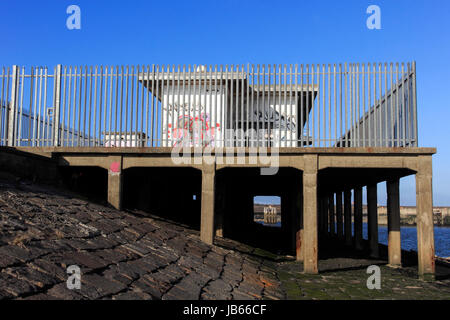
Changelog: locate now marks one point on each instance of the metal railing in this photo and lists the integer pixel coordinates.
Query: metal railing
(339, 105)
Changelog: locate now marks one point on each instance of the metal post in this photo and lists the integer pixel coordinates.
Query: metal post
(12, 107)
(57, 105)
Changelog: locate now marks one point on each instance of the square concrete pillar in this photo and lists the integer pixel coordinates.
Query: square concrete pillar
(339, 217)
(358, 223)
(372, 219)
(299, 222)
(323, 214)
(348, 217)
(310, 238)
(207, 210)
(220, 207)
(115, 181)
(393, 212)
(331, 219)
(424, 219)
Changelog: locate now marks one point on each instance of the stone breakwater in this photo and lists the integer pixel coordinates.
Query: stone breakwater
(121, 255)
(126, 255)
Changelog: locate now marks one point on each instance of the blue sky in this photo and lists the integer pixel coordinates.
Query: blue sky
(247, 31)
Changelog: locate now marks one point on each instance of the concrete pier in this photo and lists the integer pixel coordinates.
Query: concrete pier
(393, 205)
(372, 220)
(320, 173)
(348, 217)
(207, 211)
(425, 230)
(331, 218)
(339, 216)
(310, 252)
(358, 224)
(115, 182)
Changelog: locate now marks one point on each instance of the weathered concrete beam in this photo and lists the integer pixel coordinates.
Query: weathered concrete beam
(207, 209)
(425, 231)
(372, 220)
(358, 223)
(310, 252)
(115, 181)
(393, 212)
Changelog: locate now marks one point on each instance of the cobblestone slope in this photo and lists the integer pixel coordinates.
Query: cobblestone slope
(121, 255)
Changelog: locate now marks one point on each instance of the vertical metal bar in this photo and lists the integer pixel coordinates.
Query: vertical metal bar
(335, 105)
(346, 108)
(86, 70)
(284, 106)
(74, 105)
(93, 126)
(40, 105)
(375, 125)
(313, 120)
(307, 71)
(408, 107)
(328, 75)
(144, 106)
(403, 107)
(297, 123)
(369, 107)
(238, 119)
(397, 111)
(302, 108)
(391, 73)
(125, 132)
(20, 109)
(153, 106)
(358, 106)
(64, 103)
(385, 109)
(319, 91)
(263, 103)
(363, 74)
(158, 117)
(100, 109)
(257, 89)
(247, 105)
(111, 91)
(30, 108)
(416, 135)
(341, 138)
(380, 96)
(122, 132)
(3, 108)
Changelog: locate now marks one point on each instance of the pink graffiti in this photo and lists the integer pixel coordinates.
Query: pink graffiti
(194, 131)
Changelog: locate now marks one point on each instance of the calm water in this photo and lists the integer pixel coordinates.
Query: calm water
(409, 238)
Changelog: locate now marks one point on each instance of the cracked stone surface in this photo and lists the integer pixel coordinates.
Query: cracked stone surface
(122, 255)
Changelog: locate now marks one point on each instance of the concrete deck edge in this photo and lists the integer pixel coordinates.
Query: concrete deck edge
(281, 151)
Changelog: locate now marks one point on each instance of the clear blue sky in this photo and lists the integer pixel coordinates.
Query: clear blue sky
(248, 31)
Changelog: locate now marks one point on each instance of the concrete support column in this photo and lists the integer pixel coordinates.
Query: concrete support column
(220, 207)
(393, 212)
(339, 218)
(310, 239)
(348, 217)
(425, 231)
(115, 182)
(372, 219)
(298, 214)
(207, 211)
(358, 224)
(331, 219)
(323, 213)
